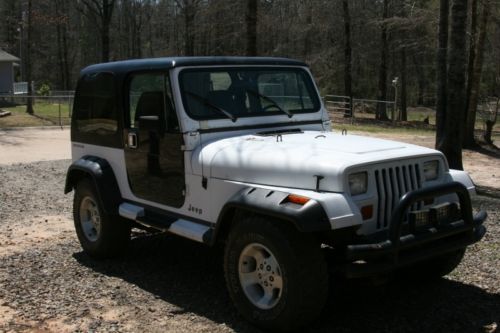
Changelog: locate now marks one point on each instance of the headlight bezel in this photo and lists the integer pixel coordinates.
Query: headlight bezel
(430, 170)
(358, 183)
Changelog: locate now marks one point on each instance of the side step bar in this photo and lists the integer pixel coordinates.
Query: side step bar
(188, 229)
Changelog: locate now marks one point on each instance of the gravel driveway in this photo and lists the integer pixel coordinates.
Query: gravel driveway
(169, 284)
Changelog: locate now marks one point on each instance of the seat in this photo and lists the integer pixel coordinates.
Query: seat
(151, 103)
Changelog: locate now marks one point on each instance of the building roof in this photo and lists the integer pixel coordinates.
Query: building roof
(7, 57)
(167, 63)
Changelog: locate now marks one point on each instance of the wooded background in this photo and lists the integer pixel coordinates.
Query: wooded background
(354, 47)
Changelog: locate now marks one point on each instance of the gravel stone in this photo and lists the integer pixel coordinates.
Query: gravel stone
(169, 284)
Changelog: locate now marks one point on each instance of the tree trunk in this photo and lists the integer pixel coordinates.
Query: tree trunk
(382, 78)
(103, 12)
(189, 15)
(420, 80)
(472, 49)
(29, 104)
(475, 79)
(107, 12)
(347, 54)
(403, 97)
(490, 123)
(451, 143)
(442, 71)
(62, 44)
(308, 31)
(251, 21)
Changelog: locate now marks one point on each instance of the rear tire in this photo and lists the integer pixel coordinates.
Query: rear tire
(276, 276)
(101, 235)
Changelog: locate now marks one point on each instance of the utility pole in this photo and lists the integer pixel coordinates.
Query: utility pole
(394, 109)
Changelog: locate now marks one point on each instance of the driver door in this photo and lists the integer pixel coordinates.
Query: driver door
(153, 154)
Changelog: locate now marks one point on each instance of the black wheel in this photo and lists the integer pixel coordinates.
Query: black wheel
(276, 276)
(434, 268)
(101, 235)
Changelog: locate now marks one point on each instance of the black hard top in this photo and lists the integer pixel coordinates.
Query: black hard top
(126, 66)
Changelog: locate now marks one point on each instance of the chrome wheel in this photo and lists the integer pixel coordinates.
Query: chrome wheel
(260, 276)
(90, 219)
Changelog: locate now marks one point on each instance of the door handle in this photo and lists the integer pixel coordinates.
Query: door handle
(132, 140)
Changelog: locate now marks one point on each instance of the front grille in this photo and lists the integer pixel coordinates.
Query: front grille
(392, 184)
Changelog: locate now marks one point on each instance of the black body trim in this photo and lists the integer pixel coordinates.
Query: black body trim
(310, 217)
(258, 126)
(101, 173)
(158, 213)
(398, 250)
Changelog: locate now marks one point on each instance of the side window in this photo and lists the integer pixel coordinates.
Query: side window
(95, 105)
(150, 99)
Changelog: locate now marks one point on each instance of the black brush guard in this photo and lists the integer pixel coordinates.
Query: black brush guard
(401, 250)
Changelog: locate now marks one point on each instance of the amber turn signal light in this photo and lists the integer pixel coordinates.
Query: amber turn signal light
(367, 212)
(297, 199)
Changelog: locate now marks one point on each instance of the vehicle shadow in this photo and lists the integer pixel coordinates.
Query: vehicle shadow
(190, 276)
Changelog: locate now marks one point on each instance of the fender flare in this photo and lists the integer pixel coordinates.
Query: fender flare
(310, 217)
(101, 173)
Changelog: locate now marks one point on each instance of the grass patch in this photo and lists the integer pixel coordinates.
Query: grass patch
(45, 114)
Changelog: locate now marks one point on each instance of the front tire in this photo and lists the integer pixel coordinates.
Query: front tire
(101, 235)
(276, 276)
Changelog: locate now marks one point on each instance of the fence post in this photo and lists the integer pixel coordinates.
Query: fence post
(60, 120)
(351, 106)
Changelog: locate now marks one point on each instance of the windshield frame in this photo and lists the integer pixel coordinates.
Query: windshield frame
(308, 80)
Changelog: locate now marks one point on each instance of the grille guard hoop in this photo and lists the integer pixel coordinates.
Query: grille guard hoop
(390, 248)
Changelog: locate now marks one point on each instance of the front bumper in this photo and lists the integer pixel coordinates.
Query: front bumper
(396, 250)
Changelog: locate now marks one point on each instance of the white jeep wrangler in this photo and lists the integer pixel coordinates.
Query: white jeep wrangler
(239, 151)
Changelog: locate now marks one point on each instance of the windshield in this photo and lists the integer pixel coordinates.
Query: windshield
(217, 93)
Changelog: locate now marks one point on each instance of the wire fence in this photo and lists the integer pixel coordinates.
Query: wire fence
(55, 109)
(357, 108)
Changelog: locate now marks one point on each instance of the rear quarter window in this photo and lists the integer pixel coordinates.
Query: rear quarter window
(96, 116)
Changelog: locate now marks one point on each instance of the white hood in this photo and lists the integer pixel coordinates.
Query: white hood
(298, 158)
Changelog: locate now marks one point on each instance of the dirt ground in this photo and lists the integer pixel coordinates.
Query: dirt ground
(168, 284)
(23, 145)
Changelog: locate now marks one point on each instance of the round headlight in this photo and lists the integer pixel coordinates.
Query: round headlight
(431, 170)
(358, 183)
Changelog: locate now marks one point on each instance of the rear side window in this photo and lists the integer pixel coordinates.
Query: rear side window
(95, 118)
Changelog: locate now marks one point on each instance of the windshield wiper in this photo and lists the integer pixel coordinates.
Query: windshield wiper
(206, 102)
(269, 99)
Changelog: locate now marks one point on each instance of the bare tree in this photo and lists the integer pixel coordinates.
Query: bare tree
(61, 25)
(382, 77)
(442, 71)
(404, 85)
(451, 143)
(475, 79)
(347, 53)
(472, 51)
(28, 64)
(251, 20)
(102, 11)
(188, 9)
